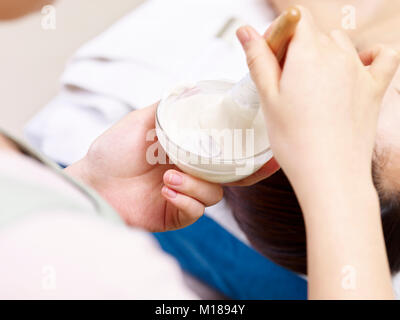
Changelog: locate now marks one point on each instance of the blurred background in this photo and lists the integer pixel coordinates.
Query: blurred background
(32, 59)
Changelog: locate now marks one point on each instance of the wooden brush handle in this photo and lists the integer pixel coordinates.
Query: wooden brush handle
(282, 32)
(244, 93)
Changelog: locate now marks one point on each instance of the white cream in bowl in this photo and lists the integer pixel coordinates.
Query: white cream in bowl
(206, 136)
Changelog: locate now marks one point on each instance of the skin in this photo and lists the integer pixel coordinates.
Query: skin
(117, 168)
(331, 173)
(375, 19)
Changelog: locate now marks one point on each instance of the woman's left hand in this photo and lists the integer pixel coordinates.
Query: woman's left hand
(117, 167)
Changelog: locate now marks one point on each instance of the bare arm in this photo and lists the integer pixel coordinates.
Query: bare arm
(321, 114)
(345, 246)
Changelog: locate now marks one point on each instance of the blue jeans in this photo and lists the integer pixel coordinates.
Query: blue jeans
(213, 255)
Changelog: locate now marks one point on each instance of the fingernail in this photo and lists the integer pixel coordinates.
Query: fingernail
(169, 192)
(243, 35)
(174, 179)
(247, 33)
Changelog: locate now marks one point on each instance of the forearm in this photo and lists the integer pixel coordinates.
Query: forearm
(345, 245)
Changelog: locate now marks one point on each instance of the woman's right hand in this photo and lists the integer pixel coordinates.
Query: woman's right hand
(322, 112)
(322, 109)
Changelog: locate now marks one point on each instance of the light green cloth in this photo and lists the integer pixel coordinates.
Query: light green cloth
(20, 198)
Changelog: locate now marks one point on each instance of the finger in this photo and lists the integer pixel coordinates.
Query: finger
(263, 66)
(383, 63)
(206, 192)
(269, 29)
(307, 30)
(307, 38)
(188, 211)
(343, 41)
(266, 171)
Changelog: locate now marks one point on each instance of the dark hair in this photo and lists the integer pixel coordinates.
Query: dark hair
(270, 216)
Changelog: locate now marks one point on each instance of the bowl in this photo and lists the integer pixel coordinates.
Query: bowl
(217, 169)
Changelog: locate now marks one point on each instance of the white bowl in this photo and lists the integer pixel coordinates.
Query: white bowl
(218, 170)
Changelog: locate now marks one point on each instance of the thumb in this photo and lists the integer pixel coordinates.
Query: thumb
(263, 66)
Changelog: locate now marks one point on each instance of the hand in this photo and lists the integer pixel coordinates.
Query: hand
(116, 166)
(322, 109)
(321, 113)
